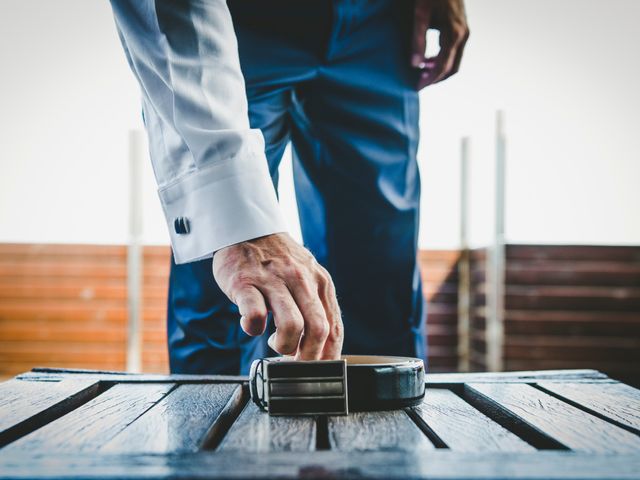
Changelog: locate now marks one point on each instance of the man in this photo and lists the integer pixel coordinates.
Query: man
(338, 79)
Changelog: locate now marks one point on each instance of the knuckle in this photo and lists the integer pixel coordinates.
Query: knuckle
(324, 272)
(291, 329)
(240, 281)
(325, 282)
(287, 268)
(461, 35)
(459, 30)
(323, 275)
(318, 329)
(286, 262)
(297, 274)
(322, 284)
(331, 291)
(254, 312)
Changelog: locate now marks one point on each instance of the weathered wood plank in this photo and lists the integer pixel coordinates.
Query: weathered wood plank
(617, 402)
(26, 406)
(180, 422)
(574, 252)
(92, 425)
(571, 427)
(54, 374)
(374, 431)
(579, 375)
(463, 428)
(519, 377)
(392, 465)
(255, 431)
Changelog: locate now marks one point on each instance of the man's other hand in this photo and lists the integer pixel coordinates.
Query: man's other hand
(276, 274)
(447, 16)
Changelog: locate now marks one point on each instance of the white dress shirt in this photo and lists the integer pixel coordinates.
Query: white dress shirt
(212, 173)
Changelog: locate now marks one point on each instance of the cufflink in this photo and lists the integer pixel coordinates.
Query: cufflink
(181, 225)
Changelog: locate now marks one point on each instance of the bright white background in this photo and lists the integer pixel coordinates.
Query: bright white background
(566, 72)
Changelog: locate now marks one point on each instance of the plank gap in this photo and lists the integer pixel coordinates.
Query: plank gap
(426, 429)
(53, 413)
(90, 426)
(510, 421)
(586, 409)
(255, 431)
(463, 428)
(227, 417)
(153, 404)
(180, 422)
(322, 433)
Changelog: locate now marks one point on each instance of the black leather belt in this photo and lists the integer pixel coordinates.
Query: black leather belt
(282, 386)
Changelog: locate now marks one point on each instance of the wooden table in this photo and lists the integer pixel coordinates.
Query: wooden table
(555, 424)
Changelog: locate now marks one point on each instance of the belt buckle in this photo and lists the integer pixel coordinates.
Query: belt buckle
(288, 387)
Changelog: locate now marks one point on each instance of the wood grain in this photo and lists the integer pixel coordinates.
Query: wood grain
(375, 445)
(617, 402)
(26, 406)
(374, 431)
(180, 422)
(62, 294)
(574, 252)
(560, 272)
(255, 431)
(524, 376)
(56, 374)
(463, 428)
(578, 375)
(392, 465)
(571, 427)
(93, 424)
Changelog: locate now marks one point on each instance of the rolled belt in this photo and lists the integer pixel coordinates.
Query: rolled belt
(282, 386)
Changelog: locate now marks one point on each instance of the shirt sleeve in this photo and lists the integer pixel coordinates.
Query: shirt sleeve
(212, 174)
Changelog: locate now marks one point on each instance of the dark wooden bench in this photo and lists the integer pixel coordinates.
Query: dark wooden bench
(553, 424)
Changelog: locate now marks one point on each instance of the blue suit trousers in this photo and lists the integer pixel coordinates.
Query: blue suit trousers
(334, 79)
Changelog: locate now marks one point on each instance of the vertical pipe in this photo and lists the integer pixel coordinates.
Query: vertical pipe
(495, 294)
(464, 273)
(134, 251)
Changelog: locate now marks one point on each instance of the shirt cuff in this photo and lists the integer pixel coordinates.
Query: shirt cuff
(222, 204)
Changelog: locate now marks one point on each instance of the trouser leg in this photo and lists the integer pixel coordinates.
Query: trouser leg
(355, 133)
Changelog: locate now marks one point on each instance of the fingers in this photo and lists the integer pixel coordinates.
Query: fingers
(450, 19)
(253, 310)
(333, 345)
(287, 318)
(438, 67)
(446, 63)
(421, 20)
(275, 274)
(458, 58)
(316, 325)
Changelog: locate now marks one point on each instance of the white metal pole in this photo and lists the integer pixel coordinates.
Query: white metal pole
(464, 267)
(134, 251)
(496, 264)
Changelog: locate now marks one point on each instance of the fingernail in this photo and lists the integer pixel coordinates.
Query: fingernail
(272, 341)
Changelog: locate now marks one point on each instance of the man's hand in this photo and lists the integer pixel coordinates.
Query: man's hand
(447, 16)
(274, 273)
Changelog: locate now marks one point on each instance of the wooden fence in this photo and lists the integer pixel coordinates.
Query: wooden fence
(565, 307)
(66, 306)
